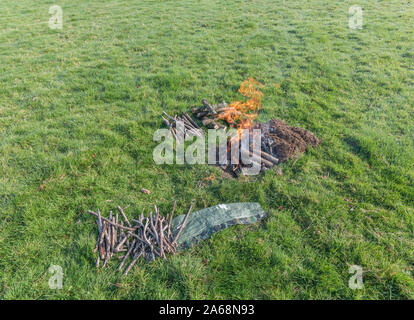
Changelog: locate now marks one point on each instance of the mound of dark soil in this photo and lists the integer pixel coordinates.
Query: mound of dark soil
(284, 141)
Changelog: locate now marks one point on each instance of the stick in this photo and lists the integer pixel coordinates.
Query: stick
(110, 222)
(114, 235)
(161, 241)
(120, 244)
(126, 256)
(116, 221)
(136, 257)
(146, 239)
(195, 125)
(183, 224)
(124, 216)
(153, 228)
(169, 117)
(99, 222)
(156, 216)
(170, 222)
(101, 246)
(192, 131)
(108, 250)
(166, 122)
(172, 130)
(121, 232)
(189, 125)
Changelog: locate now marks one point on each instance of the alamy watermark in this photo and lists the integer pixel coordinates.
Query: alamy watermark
(355, 281)
(355, 20)
(244, 147)
(56, 20)
(56, 279)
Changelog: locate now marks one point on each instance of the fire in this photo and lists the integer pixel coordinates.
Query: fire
(241, 114)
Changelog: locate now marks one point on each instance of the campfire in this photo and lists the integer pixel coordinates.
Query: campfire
(279, 142)
(275, 141)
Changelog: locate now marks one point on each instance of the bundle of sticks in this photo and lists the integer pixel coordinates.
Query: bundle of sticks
(209, 113)
(146, 237)
(189, 127)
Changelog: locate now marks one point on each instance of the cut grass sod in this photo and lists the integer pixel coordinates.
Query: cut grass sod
(79, 107)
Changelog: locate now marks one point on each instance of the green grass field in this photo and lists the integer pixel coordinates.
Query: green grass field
(79, 106)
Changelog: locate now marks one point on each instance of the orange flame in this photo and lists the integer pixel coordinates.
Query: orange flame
(240, 114)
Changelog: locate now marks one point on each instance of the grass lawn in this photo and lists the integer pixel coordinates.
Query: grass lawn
(79, 106)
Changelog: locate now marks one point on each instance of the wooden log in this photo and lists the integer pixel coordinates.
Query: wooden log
(225, 109)
(208, 106)
(269, 157)
(202, 114)
(256, 158)
(196, 110)
(206, 121)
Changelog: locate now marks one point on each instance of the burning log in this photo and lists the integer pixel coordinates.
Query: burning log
(151, 237)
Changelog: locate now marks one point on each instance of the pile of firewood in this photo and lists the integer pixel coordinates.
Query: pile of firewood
(188, 128)
(147, 237)
(208, 114)
(210, 117)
